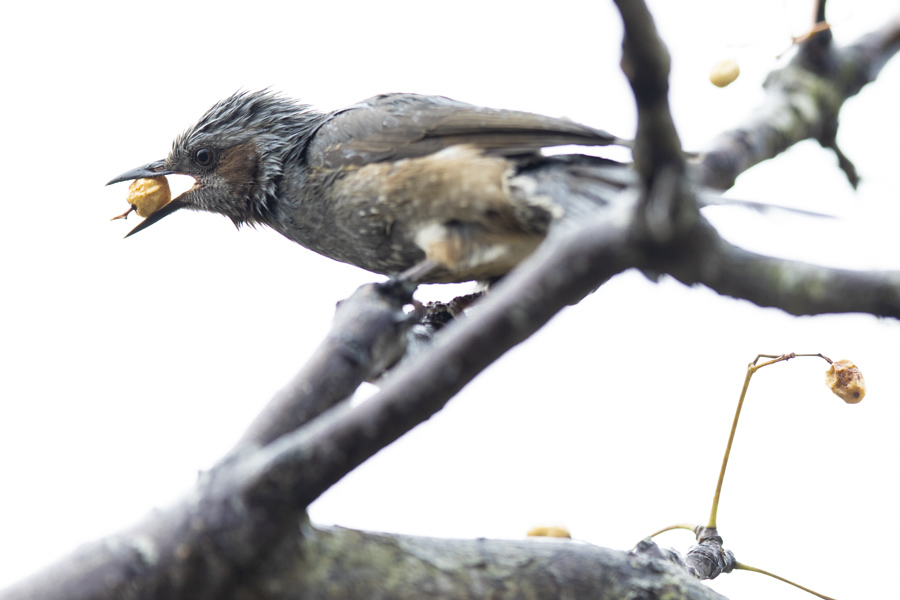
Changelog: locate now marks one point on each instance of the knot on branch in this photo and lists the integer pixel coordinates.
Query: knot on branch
(669, 208)
(813, 99)
(375, 348)
(812, 86)
(648, 548)
(707, 559)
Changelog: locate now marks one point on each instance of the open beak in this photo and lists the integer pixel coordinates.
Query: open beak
(154, 169)
(165, 211)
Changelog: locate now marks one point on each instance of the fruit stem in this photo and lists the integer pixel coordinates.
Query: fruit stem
(687, 526)
(751, 369)
(773, 575)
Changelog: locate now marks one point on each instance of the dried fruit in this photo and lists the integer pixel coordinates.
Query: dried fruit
(724, 72)
(845, 380)
(146, 196)
(549, 531)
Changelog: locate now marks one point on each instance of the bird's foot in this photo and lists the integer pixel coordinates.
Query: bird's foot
(404, 284)
(399, 288)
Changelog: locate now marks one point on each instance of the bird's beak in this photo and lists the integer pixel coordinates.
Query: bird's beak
(165, 211)
(154, 169)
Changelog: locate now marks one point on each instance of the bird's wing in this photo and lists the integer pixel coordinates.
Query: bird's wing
(395, 126)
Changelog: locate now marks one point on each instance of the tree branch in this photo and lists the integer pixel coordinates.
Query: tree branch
(795, 287)
(803, 101)
(307, 462)
(368, 335)
(667, 201)
(646, 63)
(406, 567)
(246, 507)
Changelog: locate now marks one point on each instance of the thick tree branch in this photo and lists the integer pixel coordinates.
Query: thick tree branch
(795, 287)
(819, 11)
(404, 567)
(646, 63)
(368, 335)
(667, 202)
(247, 507)
(306, 463)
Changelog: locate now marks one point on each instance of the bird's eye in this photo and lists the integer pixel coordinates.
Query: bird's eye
(204, 157)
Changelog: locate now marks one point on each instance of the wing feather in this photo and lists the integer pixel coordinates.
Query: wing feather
(395, 126)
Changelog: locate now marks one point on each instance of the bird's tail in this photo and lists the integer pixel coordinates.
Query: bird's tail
(573, 187)
(579, 186)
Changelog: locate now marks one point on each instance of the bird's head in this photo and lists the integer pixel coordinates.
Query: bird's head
(235, 153)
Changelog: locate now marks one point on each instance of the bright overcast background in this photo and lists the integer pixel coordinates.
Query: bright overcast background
(128, 366)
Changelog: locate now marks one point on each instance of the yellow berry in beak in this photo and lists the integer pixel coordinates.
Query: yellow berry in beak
(146, 196)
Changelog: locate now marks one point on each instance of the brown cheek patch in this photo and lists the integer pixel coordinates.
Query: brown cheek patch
(238, 167)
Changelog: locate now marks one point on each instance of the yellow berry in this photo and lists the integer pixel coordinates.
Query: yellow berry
(724, 72)
(149, 195)
(845, 380)
(549, 531)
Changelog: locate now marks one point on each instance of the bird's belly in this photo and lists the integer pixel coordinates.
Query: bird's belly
(454, 207)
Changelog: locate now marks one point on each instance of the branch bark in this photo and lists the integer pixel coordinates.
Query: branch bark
(368, 336)
(406, 567)
(794, 287)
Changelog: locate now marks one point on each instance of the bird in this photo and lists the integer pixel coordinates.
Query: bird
(424, 188)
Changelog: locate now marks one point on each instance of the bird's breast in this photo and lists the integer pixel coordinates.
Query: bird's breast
(456, 207)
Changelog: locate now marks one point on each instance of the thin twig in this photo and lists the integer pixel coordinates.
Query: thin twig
(744, 567)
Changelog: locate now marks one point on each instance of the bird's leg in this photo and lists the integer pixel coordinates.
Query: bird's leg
(404, 284)
(125, 214)
(418, 271)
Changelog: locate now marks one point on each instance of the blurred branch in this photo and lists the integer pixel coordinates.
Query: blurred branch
(646, 63)
(795, 287)
(803, 102)
(819, 11)
(667, 201)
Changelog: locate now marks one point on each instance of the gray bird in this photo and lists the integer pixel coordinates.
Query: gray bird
(422, 187)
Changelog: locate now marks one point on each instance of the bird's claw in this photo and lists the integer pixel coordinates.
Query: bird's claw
(398, 287)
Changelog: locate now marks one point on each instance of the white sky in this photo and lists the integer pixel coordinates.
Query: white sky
(128, 366)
